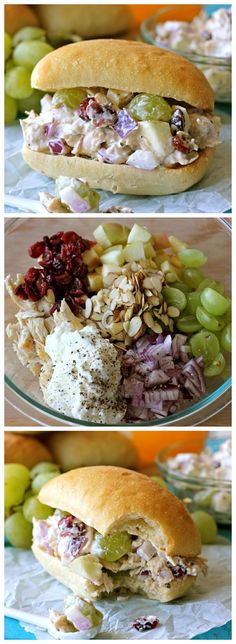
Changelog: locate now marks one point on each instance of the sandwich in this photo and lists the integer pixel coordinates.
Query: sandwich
(88, 21)
(78, 449)
(124, 116)
(116, 531)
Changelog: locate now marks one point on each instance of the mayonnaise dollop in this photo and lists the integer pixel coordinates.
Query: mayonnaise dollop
(85, 375)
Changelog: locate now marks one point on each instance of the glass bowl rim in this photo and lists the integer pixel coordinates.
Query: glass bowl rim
(197, 58)
(197, 480)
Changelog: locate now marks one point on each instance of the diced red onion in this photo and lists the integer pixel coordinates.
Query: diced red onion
(49, 128)
(58, 146)
(125, 124)
(72, 199)
(80, 621)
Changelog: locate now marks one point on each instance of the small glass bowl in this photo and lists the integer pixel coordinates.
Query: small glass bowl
(197, 492)
(216, 69)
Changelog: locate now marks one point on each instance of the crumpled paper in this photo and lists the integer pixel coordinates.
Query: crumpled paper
(212, 194)
(207, 605)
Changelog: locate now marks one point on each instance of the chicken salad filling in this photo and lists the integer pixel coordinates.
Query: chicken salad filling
(115, 127)
(111, 561)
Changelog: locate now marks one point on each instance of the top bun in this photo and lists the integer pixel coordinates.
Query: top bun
(77, 449)
(88, 21)
(124, 65)
(113, 498)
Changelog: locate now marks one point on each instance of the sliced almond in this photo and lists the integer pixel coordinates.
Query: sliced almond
(147, 283)
(151, 323)
(173, 312)
(116, 328)
(165, 319)
(134, 326)
(129, 313)
(138, 297)
(97, 316)
(153, 300)
(88, 308)
(148, 293)
(120, 345)
(126, 326)
(107, 319)
(156, 283)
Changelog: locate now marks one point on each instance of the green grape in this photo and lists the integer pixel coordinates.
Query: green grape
(41, 468)
(205, 344)
(10, 109)
(111, 548)
(14, 490)
(28, 33)
(208, 282)
(206, 525)
(216, 367)
(9, 65)
(181, 286)
(33, 508)
(208, 321)
(203, 498)
(187, 324)
(17, 83)
(192, 258)
(192, 277)
(40, 479)
(174, 297)
(159, 480)
(145, 107)
(19, 471)
(89, 610)
(18, 531)
(7, 46)
(88, 193)
(31, 103)
(70, 97)
(214, 302)
(227, 317)
(29, 52)
(226, 338)
(193, 301)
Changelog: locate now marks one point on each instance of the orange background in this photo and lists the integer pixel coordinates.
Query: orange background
(149, 444)
(142, 11)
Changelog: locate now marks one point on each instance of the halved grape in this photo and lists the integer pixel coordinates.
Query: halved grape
(70, 97)
(206, 525)
(193, 301)
(43, 467)
(10, 109)
(145, 107)
(174, 297)
(18, 531)
(209, 283)
(216, 367)
(208, 321)
(192, 258)
(111, 548)
(192, 277)
(181, 286)
(18, 83)
(226, 338)
(7, 46)
(214, 302)
(188, 324)
(205, 344)
(41, 479)
(32, 508)
(28, 33)
(29, 52)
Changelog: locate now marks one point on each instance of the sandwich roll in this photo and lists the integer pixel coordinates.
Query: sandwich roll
(115, 530)
(25, 450)
(146, 127)
(78, 449)
(88, 21)
(17, 16)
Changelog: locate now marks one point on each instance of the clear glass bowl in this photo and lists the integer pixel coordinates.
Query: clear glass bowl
(211, 235)
(190, 488)
(216, 69)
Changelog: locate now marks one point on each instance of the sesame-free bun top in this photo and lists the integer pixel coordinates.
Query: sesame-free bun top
(87, 21)
(112, 499)
(26, 450)
(78, 449)
(124, 65)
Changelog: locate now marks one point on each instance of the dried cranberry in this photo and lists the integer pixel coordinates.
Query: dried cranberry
(36, 249)
(83, 108)
(143, 624)
(177, 121)
(179, 144)
(21, 292)
(69, 236)
(47, 257)
(56, 238)
(178, 571)
(32, 274)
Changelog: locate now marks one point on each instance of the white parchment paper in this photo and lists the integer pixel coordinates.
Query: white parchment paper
(208, 604)
(212, 194)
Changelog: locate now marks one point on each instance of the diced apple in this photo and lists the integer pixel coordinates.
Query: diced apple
(98, 249)
(149, 250)
(160, 240)
(88, 567)
(134, 252)
(113, 257)
(110, 268)
(98, 270)
(168, 269)
(90, 258)
(109, 234)
(176, 244)
(117, 247)
(139, 233)
(95, 282)
(159, 137)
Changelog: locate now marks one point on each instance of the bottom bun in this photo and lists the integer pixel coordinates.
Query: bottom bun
(121, 178)
(87, 590)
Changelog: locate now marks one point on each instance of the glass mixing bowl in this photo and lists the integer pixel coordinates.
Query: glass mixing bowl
(197, 492)
(216, 69)
(211, 235)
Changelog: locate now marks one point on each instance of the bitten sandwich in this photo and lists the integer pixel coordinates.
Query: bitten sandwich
(123, 116)
(114, 530)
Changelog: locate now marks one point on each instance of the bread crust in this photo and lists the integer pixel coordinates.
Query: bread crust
(25, 450)
(91, 21)
(89, 591)
(126, 65)
(122, 178)
(78, 449)
(113, 499)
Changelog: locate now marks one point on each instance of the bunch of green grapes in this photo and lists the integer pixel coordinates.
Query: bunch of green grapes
(22, 52)
(20, 500)
(205, 311)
